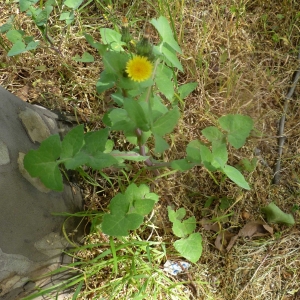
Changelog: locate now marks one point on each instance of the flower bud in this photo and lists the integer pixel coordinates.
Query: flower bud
(126, 36)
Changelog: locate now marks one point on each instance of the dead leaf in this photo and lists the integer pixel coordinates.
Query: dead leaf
(223, 239)
(254, 229)
(23, 93)
(208, 225)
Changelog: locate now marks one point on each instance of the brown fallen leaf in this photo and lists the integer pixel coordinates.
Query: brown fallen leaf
(208, 225)
(224, 239)
(254, 229)
(23, 93)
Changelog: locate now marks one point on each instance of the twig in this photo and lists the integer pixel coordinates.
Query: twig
(281, 136)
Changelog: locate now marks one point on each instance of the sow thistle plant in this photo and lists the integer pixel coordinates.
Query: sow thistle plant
(141, 79)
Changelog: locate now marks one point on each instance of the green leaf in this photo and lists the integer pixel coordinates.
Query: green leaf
(72, 142)
(106, 81)
(207, 158)
(91, 154)
(236, 176)
(158, 108)
(100, 47)
(165, 31)
(213, 134)
(115, 62)
(74, 4)
(238, 127)
(140, 198)
(119, 222)
(219, 155)
(86, 57)
(166, 123)
(193, 151)
(174, 216)
(17, 48)
(163, 81)
(170, 57)
(67, 16)
(136, 114)
(25, 4)
(5, 27)
(15, 35)
(184, 228)
(275, 215)
(43, 163)
(130, 155)
(119, 225)
(112, 38)
(185, 89)
(160, 144)
(191, 247)
(32, 45)
(181, 165)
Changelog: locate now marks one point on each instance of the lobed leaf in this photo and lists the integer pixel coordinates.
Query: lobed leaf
(238, 128)
(43, 163)
(190, 247)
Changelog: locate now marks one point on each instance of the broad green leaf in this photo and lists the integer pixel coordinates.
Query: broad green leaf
(170, 57)
(86, 57)
(17, 48)
(184, 228)
(142, 206)
(166, 123)
(185, 89)
(165, 31)
(106, 81)
(96, 161)
(207, 158)
(119, 221)
(158, 108)
(219, 154)
(275, 215)
(91, 154)
(160, 144)
(236, 176)
(72, 142)
(238, 128)
(193, 151)
(119, 225)
(174, 216)
(100, 47)
(25, 4)
(115, 62)
(43, 163)
(119, 205)
(213, 134)
(68, 17)
(191, 247)
(136, 114)
(5, 27)
(164, 83)
(134, 192)
(15, 35)
(112, 38)
(32, 45)
(181, 165)
(74, 4)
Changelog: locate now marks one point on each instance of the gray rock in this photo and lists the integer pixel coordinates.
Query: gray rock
(31, 240)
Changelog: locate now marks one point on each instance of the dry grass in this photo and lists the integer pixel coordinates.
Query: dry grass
(243, 55)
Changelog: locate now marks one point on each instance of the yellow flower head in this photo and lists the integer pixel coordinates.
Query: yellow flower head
(139, 68)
